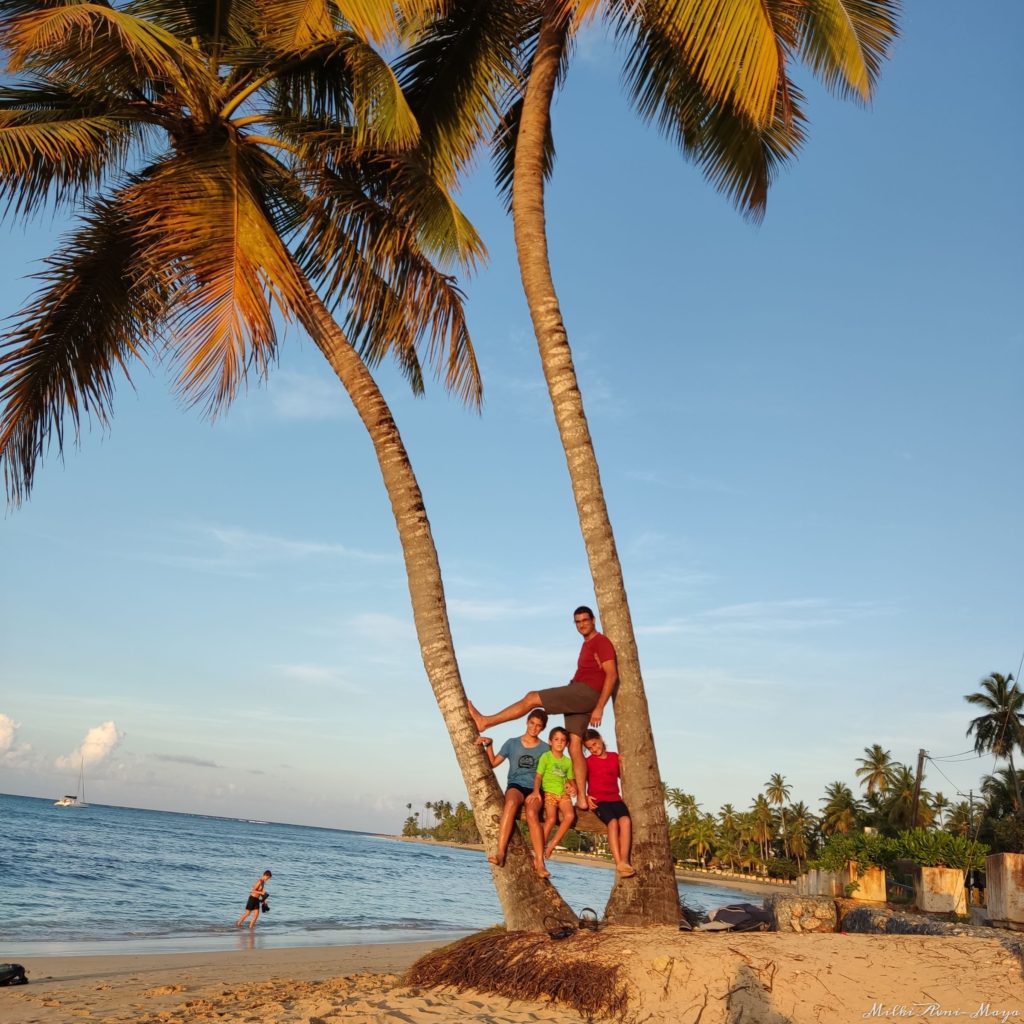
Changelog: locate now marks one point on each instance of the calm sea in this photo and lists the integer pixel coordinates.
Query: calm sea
(115, 879)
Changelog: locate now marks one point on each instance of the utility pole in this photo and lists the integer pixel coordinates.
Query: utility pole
(921, 755)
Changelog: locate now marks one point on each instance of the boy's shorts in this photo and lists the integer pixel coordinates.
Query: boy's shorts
(609, 810)
(575, 701)
(551, 802)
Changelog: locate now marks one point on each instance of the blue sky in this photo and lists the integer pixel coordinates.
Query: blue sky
(809, 435)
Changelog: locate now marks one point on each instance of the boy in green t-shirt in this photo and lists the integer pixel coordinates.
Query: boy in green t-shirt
(554, 784)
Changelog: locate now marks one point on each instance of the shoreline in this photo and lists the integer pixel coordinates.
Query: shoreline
(758, 886)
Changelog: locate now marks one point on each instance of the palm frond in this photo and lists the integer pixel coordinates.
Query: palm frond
(383, 20)
(296, 24)
(100, 306)
(730, 47)
(368, 258)
(738, 156)
(57, 143)
(220, 25)
(123, 51)
(845, 42)
(460, 74)
(204, 219)
(344, 82)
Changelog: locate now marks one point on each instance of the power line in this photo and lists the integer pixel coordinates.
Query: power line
(967, 755)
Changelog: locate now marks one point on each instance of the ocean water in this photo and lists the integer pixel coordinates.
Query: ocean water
(116, 879)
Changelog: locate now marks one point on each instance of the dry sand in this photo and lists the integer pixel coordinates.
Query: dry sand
(672, 978)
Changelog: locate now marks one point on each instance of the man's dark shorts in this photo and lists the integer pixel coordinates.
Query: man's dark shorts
(576, 701)
(609, 810)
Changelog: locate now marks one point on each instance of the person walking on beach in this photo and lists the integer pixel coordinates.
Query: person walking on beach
(582, 700)
(603, 774)
(257, 897)
(522, 754)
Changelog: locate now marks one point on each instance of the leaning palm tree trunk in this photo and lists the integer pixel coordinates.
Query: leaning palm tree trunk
(652, 897)
(525, 898)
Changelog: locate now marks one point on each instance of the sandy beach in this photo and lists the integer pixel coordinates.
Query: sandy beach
(671, 978)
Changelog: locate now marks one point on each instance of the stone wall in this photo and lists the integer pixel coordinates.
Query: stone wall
(801, 913)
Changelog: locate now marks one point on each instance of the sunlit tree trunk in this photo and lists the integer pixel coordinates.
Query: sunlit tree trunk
(651, 897)
(525, 898)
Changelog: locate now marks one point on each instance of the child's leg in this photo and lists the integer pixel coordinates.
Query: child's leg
(566, 818)
(536, 837)
(550, 817)
(620, 840)
(513, 801)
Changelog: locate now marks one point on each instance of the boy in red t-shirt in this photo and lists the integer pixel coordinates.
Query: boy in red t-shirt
(606, 800)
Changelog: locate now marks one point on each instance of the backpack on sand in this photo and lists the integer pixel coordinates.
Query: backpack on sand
(12, 974)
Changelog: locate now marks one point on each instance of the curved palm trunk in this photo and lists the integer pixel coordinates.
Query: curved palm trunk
(652, 897)
(525, 898)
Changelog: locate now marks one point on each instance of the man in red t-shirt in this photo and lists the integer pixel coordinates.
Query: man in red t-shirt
(582, 700)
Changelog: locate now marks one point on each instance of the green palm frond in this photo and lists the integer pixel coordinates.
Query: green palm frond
(56, 143)
(122, 49)
(461, 73)
(100, 306)
(343, 81)
(368, 257)
(203, 218)
(845, 42)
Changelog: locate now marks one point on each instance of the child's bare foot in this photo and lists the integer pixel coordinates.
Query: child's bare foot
(498, 862)
(542, 871)
(478, 719)
(626, 870)
(547, 853)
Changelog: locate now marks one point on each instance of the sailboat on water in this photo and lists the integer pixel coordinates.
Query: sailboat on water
(75, 799)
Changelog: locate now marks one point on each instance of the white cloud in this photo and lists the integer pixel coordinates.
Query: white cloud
(8, 732)
(99, 743)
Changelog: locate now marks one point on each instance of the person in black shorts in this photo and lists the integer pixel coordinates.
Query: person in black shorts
(522, 754)
(582, 700)
(257, 897)
(603, 789)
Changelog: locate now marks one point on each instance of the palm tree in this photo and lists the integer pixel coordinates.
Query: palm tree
(764, 824)
(940, 803)
(1001, 727)
(227, 161)
(840, 811)
(714, 77)
(875, 771)
(1000, 790)
(703, 837)
(800, 823)
(899, 808)
(777, 790)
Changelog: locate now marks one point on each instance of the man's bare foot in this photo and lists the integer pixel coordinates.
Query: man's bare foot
(582, 804)
(626, 870)
(478, 719)
(542, 871)
(547, 853)
(498, 862)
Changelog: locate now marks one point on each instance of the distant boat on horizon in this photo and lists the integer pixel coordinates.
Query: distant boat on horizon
(75, 799)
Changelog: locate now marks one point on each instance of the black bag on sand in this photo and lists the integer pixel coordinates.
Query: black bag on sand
(738, 917)
(12, 974)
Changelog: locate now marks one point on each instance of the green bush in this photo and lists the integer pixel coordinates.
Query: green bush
(941, 850)
(867, 851)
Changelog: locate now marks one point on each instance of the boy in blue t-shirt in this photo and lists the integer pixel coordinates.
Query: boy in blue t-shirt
(522, 753)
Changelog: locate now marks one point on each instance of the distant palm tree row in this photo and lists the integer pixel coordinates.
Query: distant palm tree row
(776, 836)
